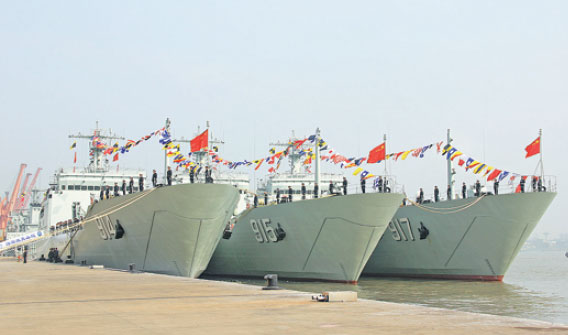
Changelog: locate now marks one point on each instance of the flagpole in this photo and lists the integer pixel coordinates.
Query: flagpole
(540, 149)
(385, 140)
(166, 155)
(318, 161)
(450, 175)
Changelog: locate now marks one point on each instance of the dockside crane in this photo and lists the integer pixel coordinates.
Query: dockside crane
(21, 194)
(6, 209)
(30, 188)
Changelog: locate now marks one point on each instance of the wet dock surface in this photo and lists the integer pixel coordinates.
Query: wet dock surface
(61, 299)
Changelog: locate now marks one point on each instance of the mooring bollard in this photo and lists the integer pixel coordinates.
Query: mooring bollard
(131, 267)
(271, 282)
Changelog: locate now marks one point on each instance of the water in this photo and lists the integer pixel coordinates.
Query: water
(535, 287)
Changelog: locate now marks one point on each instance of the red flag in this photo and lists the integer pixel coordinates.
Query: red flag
(75, 159)
(377, 154)
(533, 148)
(494, 174)
(115, 158)
(200, 141)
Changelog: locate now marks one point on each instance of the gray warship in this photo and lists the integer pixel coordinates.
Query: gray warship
(326, 237)
(166, 229)
(476, 238)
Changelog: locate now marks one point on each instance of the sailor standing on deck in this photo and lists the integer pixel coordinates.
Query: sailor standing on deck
(362, 185)
(277, 195)
(303, 191)
(154, 178)
(380, 184)
(464, 189)
(265, 199)
(421, 196)
(316, 190)
(330, 187)
(141, 183)
(534, 181)
(290, 192)
(449, 192)
(496, 187)
(107, 192)
(477, 188)
(116, 188)
(191, 175)
(255, 201)
(131, 185)
(102, 194)
(522, 184)
(436, 194)
(169, 176)
(123, 186)
(344, 186)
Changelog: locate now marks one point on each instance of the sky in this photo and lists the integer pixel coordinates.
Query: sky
(494, 72)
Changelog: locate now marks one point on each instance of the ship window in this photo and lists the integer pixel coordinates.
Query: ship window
(63, 187)
(84, 188)
(70, 187)
(90, 188)
(97, 188)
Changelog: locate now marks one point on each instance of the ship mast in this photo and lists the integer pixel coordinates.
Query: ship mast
(96, 165)
(166, 163)
(318, 173)
(450, 174)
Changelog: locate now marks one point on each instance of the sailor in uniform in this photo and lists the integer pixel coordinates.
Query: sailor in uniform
(363, 185)
(344, 186)
(316, 190)
(303, 191)
(131, 185)
(496, 187)
(290, 192)
(169, 176)
(141, 183)
(154, 178)
(123, 187)
(436, 194)
(477, 188)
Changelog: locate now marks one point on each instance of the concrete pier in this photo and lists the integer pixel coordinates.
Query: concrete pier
(42, 298)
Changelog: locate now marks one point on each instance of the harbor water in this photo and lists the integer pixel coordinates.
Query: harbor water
(535, 287)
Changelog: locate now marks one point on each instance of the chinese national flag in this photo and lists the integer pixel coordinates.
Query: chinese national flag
(377, 154)
(533, 148)
(200, 141)
(115, 158)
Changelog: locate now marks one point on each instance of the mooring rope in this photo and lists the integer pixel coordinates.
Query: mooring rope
(449, 210)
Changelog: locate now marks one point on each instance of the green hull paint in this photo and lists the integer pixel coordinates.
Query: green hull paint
(173, 230)
(326, 239)
(477, 243)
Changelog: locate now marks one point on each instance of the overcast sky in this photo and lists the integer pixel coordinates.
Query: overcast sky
(495, 72)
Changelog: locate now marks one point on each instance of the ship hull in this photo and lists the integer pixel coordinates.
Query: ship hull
(477, 239)
(172, 230)
(327, 239)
